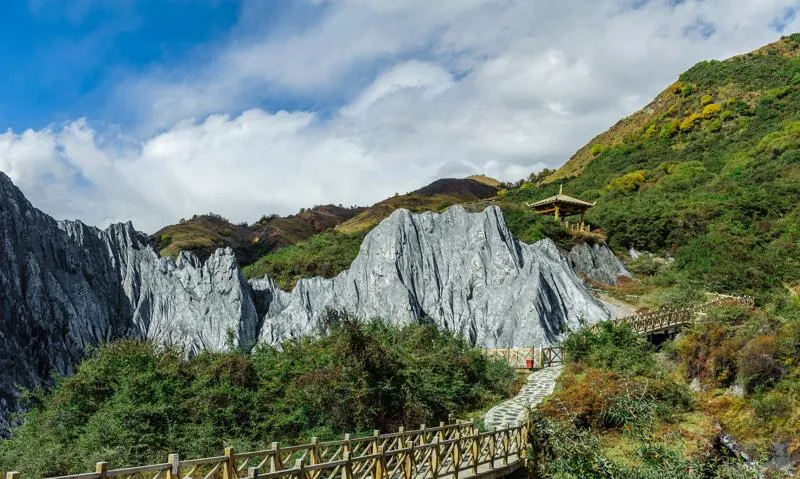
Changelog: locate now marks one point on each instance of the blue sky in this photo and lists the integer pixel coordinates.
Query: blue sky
(61, 58)
(153, 110)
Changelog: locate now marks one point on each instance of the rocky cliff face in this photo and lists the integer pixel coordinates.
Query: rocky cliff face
(463, 271)
(65, 286)
(597, 262)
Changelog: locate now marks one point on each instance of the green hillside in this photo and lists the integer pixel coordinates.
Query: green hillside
(709, 172)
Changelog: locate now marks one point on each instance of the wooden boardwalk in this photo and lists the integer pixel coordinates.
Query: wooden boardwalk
(450, 451)
(646, 324)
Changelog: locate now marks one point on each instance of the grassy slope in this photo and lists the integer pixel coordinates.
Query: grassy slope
(329, 253)
(709, 172)
(203, 234)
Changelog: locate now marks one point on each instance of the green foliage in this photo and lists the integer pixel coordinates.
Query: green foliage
(705, 100)
(628, 182)
(133, 402)
(326, 254)
(759, 350)
(669, 129)
(598, 149)
(529, 226)
(689, 121)
(711, 110)
(616, 348)
(601, 399)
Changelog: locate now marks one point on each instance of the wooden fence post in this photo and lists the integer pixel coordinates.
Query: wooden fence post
(422, 439)
(493, 447)
(376, 441)
(441, 431)
(229, 469)
(275, 462)
(348, 445)
(174, 471)
(434, 459)
(455, 454)
(314, 451)
(475, 451)
(379, 465)
(100, 469)
(252, 473)
(409, 461)
(300, 465)
(505, 446)
(347, 467)
(12, 475)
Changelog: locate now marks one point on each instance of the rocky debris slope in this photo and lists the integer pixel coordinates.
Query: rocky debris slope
(463, 271)
(597, 262)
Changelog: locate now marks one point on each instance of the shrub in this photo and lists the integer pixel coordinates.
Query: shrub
(598, 149)
(711, 110)
(669, 129)
(726, 115)
(628, 182)
(689, 121)
(133, 402)
(757, 365)
(705, 100)
(616, 348)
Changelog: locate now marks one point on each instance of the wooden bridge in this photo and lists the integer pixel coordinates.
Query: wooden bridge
(662, 321)
(457, 450)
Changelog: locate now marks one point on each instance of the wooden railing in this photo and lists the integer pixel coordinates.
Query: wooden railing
(577, 227)
(455, 451)
(652, 322)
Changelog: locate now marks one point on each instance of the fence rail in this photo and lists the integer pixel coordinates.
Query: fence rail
(653, 322)
(455, 450)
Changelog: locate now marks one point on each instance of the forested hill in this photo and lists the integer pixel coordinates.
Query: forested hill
(709, 171)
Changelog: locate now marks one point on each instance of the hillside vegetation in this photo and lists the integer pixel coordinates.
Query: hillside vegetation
(203, 234)
(331, 252)
(709, 173)
(132, 402)
(619, 411)
(435, 197)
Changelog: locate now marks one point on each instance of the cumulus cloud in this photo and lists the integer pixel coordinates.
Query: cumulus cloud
(419, 90)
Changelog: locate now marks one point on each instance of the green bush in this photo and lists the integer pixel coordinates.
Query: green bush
(325, 254)
(616, 348)
(133, 402)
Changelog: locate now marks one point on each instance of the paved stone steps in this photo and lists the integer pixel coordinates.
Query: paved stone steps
(540, 384)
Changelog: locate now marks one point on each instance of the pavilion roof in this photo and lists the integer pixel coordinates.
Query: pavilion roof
(561, 198)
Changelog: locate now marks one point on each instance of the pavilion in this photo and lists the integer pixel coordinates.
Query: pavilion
(561, 205)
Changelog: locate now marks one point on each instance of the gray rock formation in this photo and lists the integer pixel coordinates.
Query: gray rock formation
(464, 271)
(65, 286)
(597, 262)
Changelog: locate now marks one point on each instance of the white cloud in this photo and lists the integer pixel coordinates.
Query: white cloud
(425, 89)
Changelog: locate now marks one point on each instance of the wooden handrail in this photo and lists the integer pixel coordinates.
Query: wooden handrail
(457, 450)
(643, 324)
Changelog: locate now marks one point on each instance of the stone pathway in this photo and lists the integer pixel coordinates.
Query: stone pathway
(540, 384)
